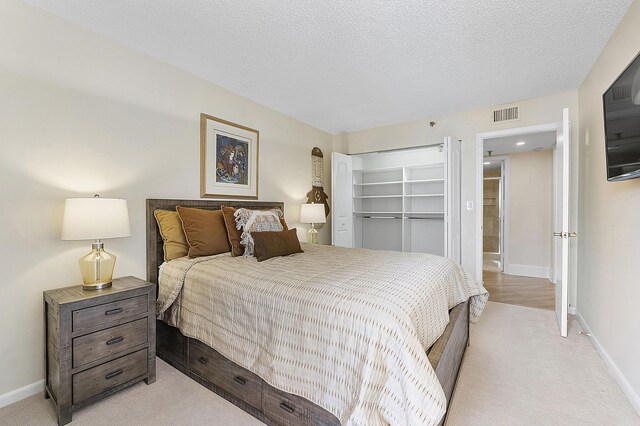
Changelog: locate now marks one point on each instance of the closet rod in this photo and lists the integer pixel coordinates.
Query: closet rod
(381, 217)
(425, 218)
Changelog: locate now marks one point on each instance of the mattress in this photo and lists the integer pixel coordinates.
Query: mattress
(347, 329)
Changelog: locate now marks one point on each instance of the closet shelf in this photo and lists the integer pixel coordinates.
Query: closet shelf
(377, 196)
(365, 212)
(430, 213)
(380, 170)
(424, 195)
(424, 180)
(394, 182)
(425, 166)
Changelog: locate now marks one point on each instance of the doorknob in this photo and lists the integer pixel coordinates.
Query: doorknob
(557, 234)
(572, 234)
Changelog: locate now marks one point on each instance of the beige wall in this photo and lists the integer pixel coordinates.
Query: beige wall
(81, 115)
(530, 178)
(609, 273)
(466, 125)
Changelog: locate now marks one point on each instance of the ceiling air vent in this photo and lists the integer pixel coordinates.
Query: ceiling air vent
(505, 114)
(621, 92)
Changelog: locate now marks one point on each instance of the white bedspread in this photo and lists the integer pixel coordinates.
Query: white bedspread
(344, 328)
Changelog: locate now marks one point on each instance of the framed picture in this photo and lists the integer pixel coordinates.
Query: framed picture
(228, 159)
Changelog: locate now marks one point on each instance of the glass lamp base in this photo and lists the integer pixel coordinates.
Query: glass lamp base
(97, 268)
(312, 235)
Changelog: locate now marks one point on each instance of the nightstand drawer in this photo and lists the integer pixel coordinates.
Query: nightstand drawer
(107, 342)
(111, 374)
(210, 365)
(109, 313)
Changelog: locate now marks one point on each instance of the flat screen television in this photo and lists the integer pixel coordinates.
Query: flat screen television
(622, 124)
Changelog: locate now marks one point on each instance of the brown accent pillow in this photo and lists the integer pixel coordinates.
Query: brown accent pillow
(205, 231)
(234, 233)
(272, 244)
(173, 238)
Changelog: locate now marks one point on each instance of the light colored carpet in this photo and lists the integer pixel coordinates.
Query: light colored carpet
(517, 371)
(174, 399)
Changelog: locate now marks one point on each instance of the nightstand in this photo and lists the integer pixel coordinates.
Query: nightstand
(98, 342)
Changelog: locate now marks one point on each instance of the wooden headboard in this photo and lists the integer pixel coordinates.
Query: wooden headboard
(155, 252)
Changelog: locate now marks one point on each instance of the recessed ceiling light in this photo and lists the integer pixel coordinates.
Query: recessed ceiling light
(486, 163)
(520, 143)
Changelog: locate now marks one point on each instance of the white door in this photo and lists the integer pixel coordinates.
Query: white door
(452, 242)
(342, 200)
(561, 236)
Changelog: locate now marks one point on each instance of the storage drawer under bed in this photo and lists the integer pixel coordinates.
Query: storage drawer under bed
(292, 410)
(239, 382)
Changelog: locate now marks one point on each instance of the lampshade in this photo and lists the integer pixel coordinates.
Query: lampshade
(312, 213)
(95, 219)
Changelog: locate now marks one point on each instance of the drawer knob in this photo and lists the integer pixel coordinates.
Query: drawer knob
(240, 380)
(202, 360)
(115, 340)
(113, 311)
(113, 374)
(286, 407)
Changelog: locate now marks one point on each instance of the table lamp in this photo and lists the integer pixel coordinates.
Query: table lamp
(95, 219)
(312, 213)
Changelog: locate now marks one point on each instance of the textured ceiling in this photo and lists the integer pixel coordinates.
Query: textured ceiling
(354, 64)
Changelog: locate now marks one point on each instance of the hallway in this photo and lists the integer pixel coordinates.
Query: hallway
(515, 290)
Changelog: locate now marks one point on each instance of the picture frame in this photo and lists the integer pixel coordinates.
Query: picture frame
(228, 159)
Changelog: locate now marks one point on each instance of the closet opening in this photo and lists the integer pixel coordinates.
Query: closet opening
(404, 200)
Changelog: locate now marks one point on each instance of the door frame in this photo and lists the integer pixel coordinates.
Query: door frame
(504, 210)
(479, 159)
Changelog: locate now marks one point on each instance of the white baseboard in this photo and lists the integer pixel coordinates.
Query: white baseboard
(629, 392)
(527, 270)
(21, 393)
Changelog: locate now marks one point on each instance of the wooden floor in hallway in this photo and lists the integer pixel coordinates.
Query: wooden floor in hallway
(517, 290)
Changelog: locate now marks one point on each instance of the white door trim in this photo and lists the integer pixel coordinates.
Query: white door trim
(480, 137)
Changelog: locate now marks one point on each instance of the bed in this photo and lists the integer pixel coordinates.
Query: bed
(280, 368)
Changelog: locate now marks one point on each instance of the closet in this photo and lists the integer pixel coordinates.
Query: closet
(405, 200)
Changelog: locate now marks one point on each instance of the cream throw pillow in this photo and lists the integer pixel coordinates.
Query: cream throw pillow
(249, 221)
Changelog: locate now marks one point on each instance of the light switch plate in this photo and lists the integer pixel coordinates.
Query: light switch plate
(469, 205)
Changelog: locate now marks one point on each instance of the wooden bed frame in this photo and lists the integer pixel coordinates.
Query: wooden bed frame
(248, 391)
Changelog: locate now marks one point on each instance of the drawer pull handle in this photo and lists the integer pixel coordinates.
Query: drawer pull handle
(202, 360)
(114, 341)
(286, 407)
(240, 380)
(113, 374)
(113, 311)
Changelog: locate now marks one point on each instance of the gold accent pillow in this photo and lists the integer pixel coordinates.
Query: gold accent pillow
(272, 244)
(205, 231)
(174, 241)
